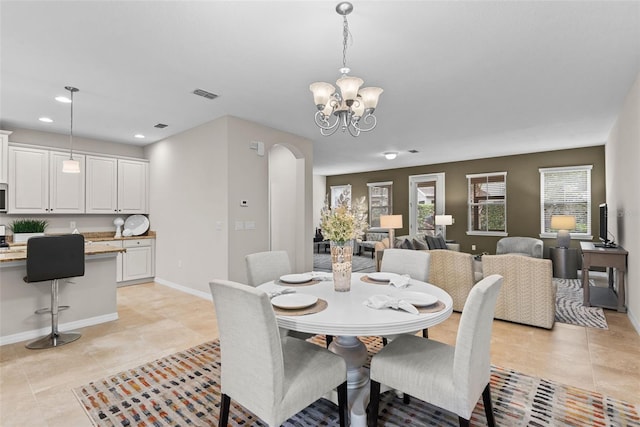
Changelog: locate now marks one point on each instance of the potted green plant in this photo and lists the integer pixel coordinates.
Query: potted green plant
(23, 229)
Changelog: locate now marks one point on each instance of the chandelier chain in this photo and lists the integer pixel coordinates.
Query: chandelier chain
(345, 37)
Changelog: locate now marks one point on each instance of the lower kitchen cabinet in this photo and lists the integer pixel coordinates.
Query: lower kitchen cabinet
(138, 262)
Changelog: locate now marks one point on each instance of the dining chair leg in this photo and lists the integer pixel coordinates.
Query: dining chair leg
(374, 403)
(463, 422)
(224, 411)
(425, 333)
(384, 341)
(328, 339)
(406, 399)
(488, 406)
(343, 405)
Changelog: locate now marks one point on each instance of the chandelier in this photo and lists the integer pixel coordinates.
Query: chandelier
(351, 109)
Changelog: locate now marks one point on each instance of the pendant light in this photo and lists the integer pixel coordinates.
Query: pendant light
(71, 166)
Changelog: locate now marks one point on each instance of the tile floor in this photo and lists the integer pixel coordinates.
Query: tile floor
(35, 386)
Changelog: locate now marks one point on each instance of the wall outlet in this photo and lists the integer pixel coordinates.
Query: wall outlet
(72, 225)
(473, 247)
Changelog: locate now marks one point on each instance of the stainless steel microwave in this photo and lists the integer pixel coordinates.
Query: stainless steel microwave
(3, 197)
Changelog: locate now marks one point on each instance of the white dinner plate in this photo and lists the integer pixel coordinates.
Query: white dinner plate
(138, 224)
(418, 299)
(296, 278)
(292, 301)
(382, 276)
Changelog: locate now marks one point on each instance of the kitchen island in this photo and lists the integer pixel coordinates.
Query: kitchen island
(92, 297)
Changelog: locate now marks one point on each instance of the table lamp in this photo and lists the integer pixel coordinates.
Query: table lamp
(391, 222)
(563, 223)
(444, 220)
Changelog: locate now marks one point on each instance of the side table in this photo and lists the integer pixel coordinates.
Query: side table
(565, 262)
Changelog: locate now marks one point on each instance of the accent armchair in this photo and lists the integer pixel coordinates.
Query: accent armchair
(528, 246)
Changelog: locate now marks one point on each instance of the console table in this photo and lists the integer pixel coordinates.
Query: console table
(612, 258)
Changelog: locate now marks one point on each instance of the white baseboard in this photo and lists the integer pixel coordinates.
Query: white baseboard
(634, 320)
(185, 289)
(62, 327)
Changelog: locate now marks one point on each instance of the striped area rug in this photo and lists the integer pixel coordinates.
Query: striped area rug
(183, 390)
(569, 307)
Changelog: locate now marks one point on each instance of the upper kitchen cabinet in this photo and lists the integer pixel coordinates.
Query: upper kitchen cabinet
(117, 185)
(38, 185)
(4, 155)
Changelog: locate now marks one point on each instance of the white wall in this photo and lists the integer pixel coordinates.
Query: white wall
(198, 179)
(189, 176)
(319, 193)
(622, 152)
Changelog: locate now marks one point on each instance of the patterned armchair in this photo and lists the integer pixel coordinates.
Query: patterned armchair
(528, 294)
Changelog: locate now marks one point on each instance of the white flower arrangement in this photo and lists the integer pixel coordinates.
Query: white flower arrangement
(344, 222)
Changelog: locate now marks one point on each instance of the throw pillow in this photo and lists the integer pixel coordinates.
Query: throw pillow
(397, 243)
(406, 244)
(441, 243)
(420, 245)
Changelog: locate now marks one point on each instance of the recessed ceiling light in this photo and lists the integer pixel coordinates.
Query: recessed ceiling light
(138, 135)
(45, 119)
(390, 155)
(63, 99)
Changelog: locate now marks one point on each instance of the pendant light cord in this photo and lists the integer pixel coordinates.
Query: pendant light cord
(345, 37)
(71, 133)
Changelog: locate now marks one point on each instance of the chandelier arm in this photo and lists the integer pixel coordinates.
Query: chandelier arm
(323, 123)
(370, 120)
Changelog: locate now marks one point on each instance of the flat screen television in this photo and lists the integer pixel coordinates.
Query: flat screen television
(604, 230)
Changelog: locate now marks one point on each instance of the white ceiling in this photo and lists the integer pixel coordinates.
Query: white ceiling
(462, 79)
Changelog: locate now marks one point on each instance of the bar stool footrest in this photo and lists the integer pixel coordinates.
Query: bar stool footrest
(53, 340)
(48, 310)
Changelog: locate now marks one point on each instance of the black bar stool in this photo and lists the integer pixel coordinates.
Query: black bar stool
(53, 258)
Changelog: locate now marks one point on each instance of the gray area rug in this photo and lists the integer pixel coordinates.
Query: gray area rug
(360, 264)
(569, 308)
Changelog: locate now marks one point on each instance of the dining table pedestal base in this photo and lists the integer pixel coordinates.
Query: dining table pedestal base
(354, 353)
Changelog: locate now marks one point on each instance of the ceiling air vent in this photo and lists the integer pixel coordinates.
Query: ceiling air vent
(413, 151)
(160, 126)
(205, 94)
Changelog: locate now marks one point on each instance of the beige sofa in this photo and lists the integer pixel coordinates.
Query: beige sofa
(528, 294)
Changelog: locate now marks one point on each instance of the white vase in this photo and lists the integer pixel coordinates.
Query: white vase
(23, 237)
(341, 265)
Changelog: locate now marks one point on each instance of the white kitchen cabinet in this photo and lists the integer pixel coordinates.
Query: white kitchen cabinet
(133, 186)
(138, 260)
(4, 155)
(116, 244)
(117, 186)
(37, 184)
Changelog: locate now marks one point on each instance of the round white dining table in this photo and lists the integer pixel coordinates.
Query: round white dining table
(347, 317)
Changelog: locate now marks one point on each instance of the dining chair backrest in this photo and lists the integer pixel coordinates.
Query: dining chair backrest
(252, 370)
(406, 261)
(471, 362)
(263, 267)
(55, 257)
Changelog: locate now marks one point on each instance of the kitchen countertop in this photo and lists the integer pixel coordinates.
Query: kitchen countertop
(19, 252)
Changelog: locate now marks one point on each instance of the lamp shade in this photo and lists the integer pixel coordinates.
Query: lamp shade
(321, 93)
(444, 219)
(563, 222)
(349, 87)
(391, 221)
(70, 166)
(370, 96)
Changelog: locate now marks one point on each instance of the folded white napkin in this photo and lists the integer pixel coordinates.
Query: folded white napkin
(321, 275)
(387, 301)
(401, 281)
(280, 290)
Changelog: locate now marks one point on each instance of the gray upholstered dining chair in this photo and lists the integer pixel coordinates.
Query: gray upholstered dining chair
(452, 378)
(263, 267)
(273, 378)
(406, 261)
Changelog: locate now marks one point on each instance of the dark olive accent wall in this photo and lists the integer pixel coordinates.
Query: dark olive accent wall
(523, 191)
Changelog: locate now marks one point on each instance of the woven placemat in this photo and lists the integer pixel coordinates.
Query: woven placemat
(367, 279)
(315, 308)
(433, 308)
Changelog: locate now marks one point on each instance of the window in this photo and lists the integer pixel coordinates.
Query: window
(487, 204)
(566, 191)
(380, 201)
